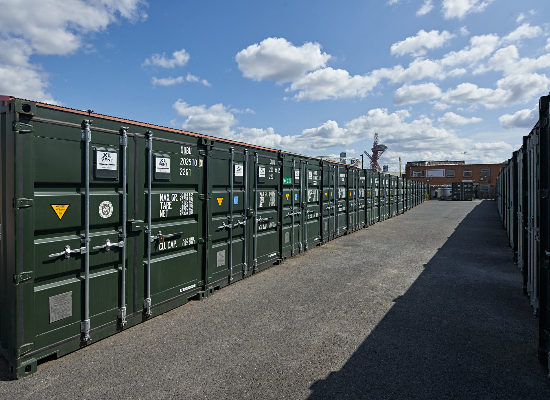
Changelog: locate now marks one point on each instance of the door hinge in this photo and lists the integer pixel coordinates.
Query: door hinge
(22, 203)
(22, 277)
(22, 128)
(26, 348)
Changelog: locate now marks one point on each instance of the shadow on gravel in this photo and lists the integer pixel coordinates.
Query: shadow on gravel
(462, 330)
(4, 370)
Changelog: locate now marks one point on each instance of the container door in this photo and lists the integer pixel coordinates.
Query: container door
(176, 211)
(376, 197)
(382, 198)
(292, 212)
(312, 202)
(329, 209)
(361, 199)
(368, 197)
(267, 205)
(227, 219)
(341, 217)
(67, 301)
(350, 199)
(400, 195)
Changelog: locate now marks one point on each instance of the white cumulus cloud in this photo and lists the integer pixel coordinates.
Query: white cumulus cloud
(450, 118)
(417, 45)
(179, 59)
(510, 90)
(525, 31)
(279, 60)
(167, 81)
(215, 120)
(411, 94)
(196, 79)
(480, 48)
(316, 140)
(522, 119)
(49, 27)
(425, 9)
(331, 83)
(460, 8)
(508, 61)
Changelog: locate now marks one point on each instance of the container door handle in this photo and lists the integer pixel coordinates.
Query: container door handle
(161, 237)
(224, 225)
(67, 252)
(107, 246)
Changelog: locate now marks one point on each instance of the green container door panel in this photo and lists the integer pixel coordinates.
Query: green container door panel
(266, 204)
(291, 222)
(313, 201)
(267, 227)
(51, 172)
(292, 207)
(226, 216)
(59, 305)
(341, 202)
(328, 203)
(59, 225)
(176, 211)
(268, 247)
(352, 200)
(313, 218)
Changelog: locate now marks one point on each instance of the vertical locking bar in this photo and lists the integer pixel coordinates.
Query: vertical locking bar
(245, 217)
(86, 138)
(334, 202)
(337, 227)
(231, 174)
(255, 212)
(292, 208)
(124, 145)
(149, 147)
(306, 201)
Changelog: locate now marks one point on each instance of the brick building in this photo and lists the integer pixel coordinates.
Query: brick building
(441, 174)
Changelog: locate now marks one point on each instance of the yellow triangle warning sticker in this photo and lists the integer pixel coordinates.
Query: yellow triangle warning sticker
(60, 209)
(326, 194)
(220, 199)
(287, 195)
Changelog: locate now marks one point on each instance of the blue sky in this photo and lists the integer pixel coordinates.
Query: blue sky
(437, 79)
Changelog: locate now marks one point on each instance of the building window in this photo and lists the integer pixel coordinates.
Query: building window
(467, 173)
(417, 174)
(450, 173)
(485, 172)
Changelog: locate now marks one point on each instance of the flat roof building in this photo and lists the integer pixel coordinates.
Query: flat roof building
(441, 174)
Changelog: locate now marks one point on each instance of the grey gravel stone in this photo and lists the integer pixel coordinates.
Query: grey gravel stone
(426, 305)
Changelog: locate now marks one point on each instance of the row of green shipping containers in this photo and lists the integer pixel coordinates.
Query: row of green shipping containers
(107, 222)
(523, 188)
